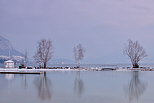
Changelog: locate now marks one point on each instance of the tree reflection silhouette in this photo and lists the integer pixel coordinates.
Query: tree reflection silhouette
(136, 87)
(78, 85)
(24, 81)
(43, 85)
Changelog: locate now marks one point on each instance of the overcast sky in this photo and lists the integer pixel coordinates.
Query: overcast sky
(101, 26)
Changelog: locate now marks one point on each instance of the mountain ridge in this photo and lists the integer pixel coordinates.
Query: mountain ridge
(6, 47)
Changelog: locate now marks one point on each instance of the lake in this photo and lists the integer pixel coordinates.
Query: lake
(78, 87)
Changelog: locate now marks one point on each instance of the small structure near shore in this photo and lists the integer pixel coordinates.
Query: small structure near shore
(9, 64)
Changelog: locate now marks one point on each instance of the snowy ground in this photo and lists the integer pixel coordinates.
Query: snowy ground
(33, 70)
(79, 69)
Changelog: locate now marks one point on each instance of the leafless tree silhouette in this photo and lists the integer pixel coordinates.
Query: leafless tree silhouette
(135, 52)
(24, 81)
(136, 87)
(43, 85)
(44, 52)
(78, 54)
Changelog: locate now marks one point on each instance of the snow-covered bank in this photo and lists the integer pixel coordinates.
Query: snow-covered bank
(11, 70)
(78, 69)
(135, 69)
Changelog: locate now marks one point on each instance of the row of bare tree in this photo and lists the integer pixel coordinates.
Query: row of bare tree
(44, 53)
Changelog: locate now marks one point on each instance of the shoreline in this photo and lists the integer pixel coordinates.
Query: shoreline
(39, 71)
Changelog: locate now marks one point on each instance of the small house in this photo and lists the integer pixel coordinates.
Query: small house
(9, 64)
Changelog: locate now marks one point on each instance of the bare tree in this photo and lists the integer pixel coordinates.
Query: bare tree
(78, 53)
(135, 52)
(44, 52)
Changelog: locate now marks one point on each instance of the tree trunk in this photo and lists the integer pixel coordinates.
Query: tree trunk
(45, 65)
(78, 64)
(40, 66)
(135, 65)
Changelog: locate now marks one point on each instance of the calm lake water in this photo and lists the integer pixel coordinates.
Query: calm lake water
(78, 87)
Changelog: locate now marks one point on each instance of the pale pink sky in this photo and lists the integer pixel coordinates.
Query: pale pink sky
(102, 26)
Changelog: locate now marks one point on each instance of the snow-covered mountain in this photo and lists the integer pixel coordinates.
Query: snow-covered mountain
(6, 48)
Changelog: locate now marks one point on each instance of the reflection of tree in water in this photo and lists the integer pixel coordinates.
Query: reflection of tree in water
(43, 85)
(78, 85)
(136, 87)
(24, 80)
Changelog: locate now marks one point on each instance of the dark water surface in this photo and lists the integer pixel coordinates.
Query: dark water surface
(78, 87)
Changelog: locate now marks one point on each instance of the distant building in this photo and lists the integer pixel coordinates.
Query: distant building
(9, 64)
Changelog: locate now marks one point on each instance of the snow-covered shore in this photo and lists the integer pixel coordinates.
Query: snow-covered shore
(135, 69)
(78, 69)
(31, 70)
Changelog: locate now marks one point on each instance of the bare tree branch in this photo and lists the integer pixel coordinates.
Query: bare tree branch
(135, 52)
(79, 53)
(44, 52)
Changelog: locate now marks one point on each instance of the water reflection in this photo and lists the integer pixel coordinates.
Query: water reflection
(3, 82)
(43, 85)
(9, 76)
(78, 85)
(24, 81)
(136, 87)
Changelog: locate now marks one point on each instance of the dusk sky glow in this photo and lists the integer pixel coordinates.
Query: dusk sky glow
(101, 26)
